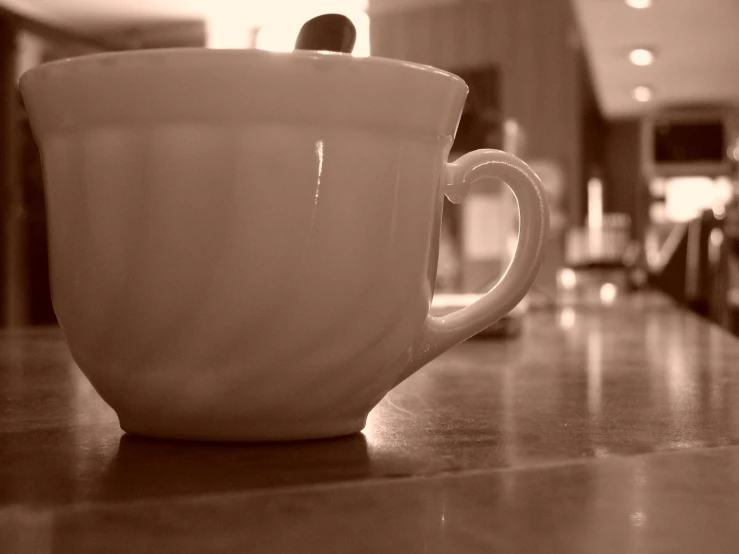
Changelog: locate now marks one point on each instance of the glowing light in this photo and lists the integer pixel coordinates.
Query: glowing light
(657, 186)
(608, 293)
(654, 259)
(274, 25)
(687, 197)
(567, 278)
(229, 26)
(278, 38)
(658, 212)
(642, 93)
(595, 203)
(716, 237)
(639, 4)
(733, 297)
(319, 155)
(370, 430)
(638, 519)
(641, 56)
(723, 189)
(734, 151)
(567, 318)
(715, 241)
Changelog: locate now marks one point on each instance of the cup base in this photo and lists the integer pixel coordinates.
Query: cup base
(268, 432)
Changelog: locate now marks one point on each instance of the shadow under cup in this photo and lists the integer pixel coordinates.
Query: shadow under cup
(243, 244)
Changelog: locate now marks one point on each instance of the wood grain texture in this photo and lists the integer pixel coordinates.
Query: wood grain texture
(603, 429)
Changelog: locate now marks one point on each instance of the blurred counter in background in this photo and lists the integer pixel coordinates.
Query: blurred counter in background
(696, 263)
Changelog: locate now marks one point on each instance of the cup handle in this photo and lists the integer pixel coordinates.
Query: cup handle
(441, 333)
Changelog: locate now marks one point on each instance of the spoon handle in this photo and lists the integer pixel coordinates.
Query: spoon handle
(332, 32)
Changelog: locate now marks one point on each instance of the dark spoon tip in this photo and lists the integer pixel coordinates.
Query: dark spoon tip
(332, 31)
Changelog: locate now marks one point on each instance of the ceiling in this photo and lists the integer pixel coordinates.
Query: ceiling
(697, 46)
(697, 41)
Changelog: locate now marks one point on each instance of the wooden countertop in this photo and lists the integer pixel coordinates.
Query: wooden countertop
(600, 429)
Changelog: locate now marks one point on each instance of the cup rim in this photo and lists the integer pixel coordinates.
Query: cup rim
(153, 53)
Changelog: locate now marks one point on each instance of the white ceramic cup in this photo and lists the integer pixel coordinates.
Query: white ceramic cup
(243, 244)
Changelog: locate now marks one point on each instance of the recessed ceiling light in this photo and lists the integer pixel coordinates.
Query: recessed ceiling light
(641, 56)
(642, 93)
(639, 4)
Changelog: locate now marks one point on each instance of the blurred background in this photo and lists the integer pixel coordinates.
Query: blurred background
(627, 109)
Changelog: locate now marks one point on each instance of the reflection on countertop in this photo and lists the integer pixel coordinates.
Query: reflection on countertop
(609, 428)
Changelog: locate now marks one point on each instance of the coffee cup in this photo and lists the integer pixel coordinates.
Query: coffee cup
(243, 244)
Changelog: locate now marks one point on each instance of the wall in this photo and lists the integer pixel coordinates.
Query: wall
(535, 44)
(593, 132)
(9, 192)
(625, 190)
